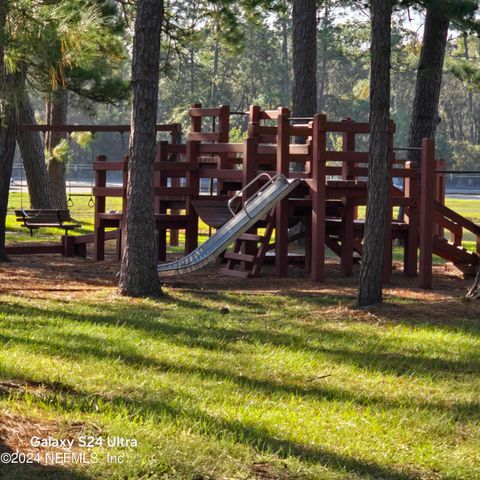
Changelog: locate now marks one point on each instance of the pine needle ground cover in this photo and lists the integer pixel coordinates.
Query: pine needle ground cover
(267, 379)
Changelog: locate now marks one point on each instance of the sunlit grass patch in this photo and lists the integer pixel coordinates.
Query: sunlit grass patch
(301, 383)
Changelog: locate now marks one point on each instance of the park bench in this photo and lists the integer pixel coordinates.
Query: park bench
(34, 219)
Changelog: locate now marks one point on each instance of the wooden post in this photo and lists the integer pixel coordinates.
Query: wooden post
(191, 235)
(318, 193)
(175, 183)
(388, 246)
(99, 231)
(347, 226)
(253, 121)
(249, 173)
(196, 122)
(223, 137)
(224, 124)
(348, 141)
(121, 239)
(281, 228)
(68, 243)
(439, 192)
(411, 192)
(427, 196)
(161, 181)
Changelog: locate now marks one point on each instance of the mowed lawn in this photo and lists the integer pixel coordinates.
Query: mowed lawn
(263, 379)
(244, 384)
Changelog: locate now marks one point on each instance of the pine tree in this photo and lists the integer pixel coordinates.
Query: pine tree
(8, 126)
(371, 272)
(138, 276)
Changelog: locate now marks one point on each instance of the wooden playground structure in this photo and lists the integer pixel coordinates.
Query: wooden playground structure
(324, 209)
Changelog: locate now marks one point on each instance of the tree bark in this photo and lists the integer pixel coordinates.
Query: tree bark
(138, 276)
(322, 85)
(57, 115)
(474, 292)
(470, 93)
(304, 57)
(285, 86)
(214, 84)
(33, 156)
(425, 116)
(371, 272)
(8, 130)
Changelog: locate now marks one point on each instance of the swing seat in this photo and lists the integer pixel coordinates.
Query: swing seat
(33, 219)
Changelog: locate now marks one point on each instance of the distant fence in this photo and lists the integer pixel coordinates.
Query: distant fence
(457, 182)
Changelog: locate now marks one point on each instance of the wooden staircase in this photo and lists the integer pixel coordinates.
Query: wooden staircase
(248, 254)
(464, 260)
(447, 219)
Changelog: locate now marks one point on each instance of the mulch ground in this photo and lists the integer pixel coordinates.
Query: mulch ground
(54, 276)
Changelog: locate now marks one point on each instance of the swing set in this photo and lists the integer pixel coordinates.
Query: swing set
(34, 219)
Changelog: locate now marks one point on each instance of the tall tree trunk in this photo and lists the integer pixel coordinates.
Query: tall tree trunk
(33, 156)
(192, 75)
(214, 84)
(57, 115)
(138, 276)
(8, 130)
(470, 93)
(322, 84)
(304, 56)
(429, 81)
(285, 87)
(425, 118)
(371, 272)
(451, 121)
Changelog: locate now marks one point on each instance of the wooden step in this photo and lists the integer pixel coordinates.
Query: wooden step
(251, 237)
(446, 250)
(241, 257)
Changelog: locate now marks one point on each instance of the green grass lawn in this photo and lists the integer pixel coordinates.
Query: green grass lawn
(283, 386)
(313, 390)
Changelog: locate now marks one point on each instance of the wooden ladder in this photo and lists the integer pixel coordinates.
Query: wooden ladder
(250, 264)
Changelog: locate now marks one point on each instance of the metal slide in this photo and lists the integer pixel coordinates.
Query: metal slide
(255, 208)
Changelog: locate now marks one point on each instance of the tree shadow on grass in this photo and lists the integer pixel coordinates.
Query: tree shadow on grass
(374, 355)
(70, 399)
(34, 470)
(79, 346)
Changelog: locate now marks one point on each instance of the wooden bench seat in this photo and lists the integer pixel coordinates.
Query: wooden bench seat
(33, 219)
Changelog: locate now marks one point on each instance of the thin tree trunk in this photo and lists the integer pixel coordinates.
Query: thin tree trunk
(286, 64)
(8, 130)
(304, 56)
(425, 116)
(138, 276)
(322, 85)
(57, 115)
(33, 156)
(192, 75)
(470, 93)
(213, 86)
(451, 121)
(371, 272)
